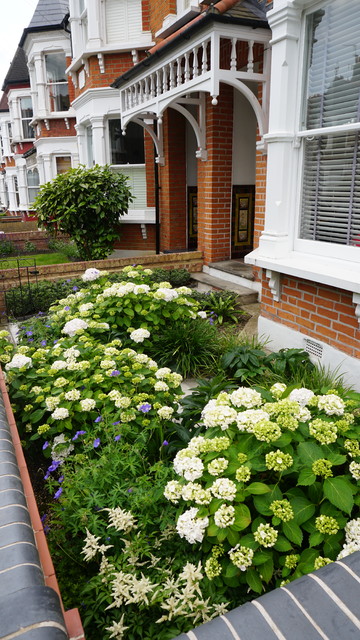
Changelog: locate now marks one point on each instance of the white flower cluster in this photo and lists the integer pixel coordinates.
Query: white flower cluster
(84, 308)
(245, 397)
(139, 335)
(61, 447)
(87, 404)
(163, 293)
(92, 274)
(352, 538)
(58, 365)
(247, 419)
(92, 546)
(51, 402)
(72, 395)
(194, 491)
(140, 289)
(173, 491)
(217, 466)
(190, 527)
(121, 520)
(18, 362)
(224, 488)
(354, 469)
(72, 327)
(160, 385)
(224, 516)
(60, 413)
(331, 404)
(302, 396)
(121, 402)
(191, 468)
(218, 415)
(165, 412)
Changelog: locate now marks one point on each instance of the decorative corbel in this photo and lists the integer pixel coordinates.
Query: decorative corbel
(85, 62)
(67, 124)
(135, 56)
(356, 301)
(274, 283)
(47, 124)
(143, 231)
(73, 76)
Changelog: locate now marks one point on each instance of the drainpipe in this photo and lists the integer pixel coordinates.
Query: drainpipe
(157, 207)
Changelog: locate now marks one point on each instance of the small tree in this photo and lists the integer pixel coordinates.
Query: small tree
(85, 204)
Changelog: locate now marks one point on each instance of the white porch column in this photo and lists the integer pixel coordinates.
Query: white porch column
(22, 183)
(98, 132)
(81, 140)
(11, 191)
(75, 25)
(40, 166)
(285, 23)
(94, 24)
(47, 168)
(39, 65)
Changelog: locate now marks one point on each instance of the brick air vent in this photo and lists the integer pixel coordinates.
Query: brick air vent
(313, 348)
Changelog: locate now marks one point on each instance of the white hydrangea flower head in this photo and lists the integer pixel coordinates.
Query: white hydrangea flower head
(278, 389)
(202, 314)
(60, 413)
(354, 469)
(217, 415)
(191, 468)
(160, 385)
(224, 488)
(51, 402)
(173, 491)
(224, 516)
(331, 404)
(19, 361)
(302, 396)
(348, 549)
(163, 372)
(87, 404)
(165, 412)
(245, 397)
(139, 335)
(61, 448)
(72, 395)
(190, 527)
(91, 274)
(163, 293)
(248, 418)
(84, 308)
(352, 531)
(58, 365)
(72, 327)
(141, 289)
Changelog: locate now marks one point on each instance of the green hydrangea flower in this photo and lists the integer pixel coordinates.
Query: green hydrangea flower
(291, 561)
(322, 467)
(278, 460)
(327, 525)
(282, 509)
(324, 432)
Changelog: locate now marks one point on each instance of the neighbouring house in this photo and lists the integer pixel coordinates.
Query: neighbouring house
(237, 124)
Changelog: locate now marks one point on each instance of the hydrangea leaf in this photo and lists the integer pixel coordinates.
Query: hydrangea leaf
(316, 538)
(293, 532)
(306, 477)
(257, 488)
(339, 493)
(282, 544)
(231, 570)
(309, 452)
(267, 569)
(332, 546)
(261, 556)
(254, 581)
(303, 509)
(242, 517)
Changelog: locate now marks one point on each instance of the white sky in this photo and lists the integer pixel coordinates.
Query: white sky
(15, 16)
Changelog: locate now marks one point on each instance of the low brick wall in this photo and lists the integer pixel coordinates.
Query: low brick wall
(18, 238)
(17, 225)
(9, 278)
(30, 600)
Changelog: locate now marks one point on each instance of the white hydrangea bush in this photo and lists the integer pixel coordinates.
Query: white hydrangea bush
(270, 485)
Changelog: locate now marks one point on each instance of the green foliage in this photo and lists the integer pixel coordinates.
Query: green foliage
(245, 363)
(193, 404)
(85, 204)
(39, 296)
(176, 277)
(274, 480)
(190, 347)
(6, 248)
(68, 249)
(29, 247)
(287, 363)
(221, 305)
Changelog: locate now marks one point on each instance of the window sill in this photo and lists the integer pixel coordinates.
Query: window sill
(333, 272)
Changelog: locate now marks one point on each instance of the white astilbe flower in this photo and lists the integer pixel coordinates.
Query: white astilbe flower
(92, 546)
(191, 468)
(18, 362)
(245, 397)
(190, 527)
(224, 488)
(215, 415)
(117, 629)
(247, 419)
(72, 327)
(191, 573)
(331, 404)
(60, 413)
(91, 274)
(139, 335)
(302, 396)
(121, 520)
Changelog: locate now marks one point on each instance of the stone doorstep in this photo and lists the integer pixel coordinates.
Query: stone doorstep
(246, 295)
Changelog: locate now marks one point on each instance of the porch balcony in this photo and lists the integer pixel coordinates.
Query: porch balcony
(231, 53)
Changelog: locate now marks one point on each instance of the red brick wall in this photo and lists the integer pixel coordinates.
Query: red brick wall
(316, 310)
(145, 8)
(58, 128)
(159, 9)
(215, 180)
(115, 65)
(130, 237)
(173, 205)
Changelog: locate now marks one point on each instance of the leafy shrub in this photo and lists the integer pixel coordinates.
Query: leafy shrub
(193, 403)
(176, 277)
(6, 248)
(270, 486)
(85, 204)
(221, 305)
(68, 249)
(29, 247)
(245, 363)
(190, 347)
(38, 297)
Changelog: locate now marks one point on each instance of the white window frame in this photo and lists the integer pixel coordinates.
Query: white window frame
(319, 248)
(48, 84)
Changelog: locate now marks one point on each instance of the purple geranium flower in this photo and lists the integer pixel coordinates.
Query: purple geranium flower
(75, 288)
(54, 465)
(145, 407)
(43, 518)
(67, 308)
(58, 493)
(29, 333)
(117, 437)
(45, 445)
(117, 422)
(165, 443)
(60, 480)
(115, 372)
(43, 343)
(98, 419)
(96, 443)
(77, 434)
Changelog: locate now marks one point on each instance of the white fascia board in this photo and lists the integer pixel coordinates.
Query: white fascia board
(282, 337)
(333, 272)
(46, 42)
(65, 144)
(139, 44)
(99, 101)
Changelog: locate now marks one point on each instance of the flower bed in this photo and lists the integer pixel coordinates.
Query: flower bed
(155, 527)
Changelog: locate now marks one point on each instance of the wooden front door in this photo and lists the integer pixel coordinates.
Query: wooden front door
(242, 220)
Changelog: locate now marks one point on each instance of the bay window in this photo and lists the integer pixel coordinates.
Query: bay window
(330, 208)
(26, 111)
(33, 183)
(56, 81)
(128, 148)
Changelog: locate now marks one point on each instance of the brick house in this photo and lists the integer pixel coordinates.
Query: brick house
(177, 95)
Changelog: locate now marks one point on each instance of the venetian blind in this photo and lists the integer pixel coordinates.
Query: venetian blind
(331, 181)
(123, 21)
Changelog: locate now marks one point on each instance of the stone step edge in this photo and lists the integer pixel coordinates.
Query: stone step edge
(246, 294)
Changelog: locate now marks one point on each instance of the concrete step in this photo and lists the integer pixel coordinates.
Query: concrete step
(208, 282)
(236, 268)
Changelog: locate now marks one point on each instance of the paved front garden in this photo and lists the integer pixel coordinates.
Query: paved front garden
(166, 512)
